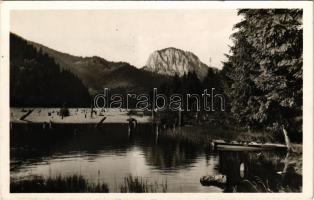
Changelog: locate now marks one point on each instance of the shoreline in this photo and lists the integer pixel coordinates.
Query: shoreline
(76, 116)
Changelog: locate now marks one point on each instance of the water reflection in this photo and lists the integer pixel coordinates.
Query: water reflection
(111, 153)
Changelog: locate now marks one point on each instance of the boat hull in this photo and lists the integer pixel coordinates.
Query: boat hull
(248, 147)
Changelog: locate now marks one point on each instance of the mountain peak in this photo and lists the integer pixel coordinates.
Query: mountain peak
(170, 49)
(173, 61)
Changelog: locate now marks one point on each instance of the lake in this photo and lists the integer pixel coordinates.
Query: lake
(111, 153)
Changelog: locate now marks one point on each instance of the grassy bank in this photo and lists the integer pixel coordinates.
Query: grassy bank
(59, 184)
(78, 184)
(138, 185)
(203, 134)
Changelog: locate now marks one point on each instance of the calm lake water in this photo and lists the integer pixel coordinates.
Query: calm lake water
(110, 154)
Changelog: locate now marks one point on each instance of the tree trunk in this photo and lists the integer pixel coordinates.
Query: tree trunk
(288, 144)
(287, 140)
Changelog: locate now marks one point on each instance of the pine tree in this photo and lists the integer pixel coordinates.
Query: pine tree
(264, 71)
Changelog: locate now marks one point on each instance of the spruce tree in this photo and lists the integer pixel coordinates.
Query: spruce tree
(263, 74)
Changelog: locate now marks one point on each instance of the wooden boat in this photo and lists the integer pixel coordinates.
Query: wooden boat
(252, 146)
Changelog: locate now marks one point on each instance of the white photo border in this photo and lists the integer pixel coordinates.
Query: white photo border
(307, 6)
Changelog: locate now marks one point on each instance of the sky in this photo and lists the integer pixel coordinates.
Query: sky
(129, 35)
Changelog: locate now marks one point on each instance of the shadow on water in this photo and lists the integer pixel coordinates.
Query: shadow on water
(34, 150)
(32, 144)
(257, 172)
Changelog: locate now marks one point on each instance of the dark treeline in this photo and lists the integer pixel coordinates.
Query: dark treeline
(36, 80)
(194, 109)
(190, 84)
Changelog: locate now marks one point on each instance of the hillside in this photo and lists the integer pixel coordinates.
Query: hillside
(35, 79)
(97, 73)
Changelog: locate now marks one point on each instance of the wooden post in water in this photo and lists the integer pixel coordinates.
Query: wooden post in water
(91, 112)
(157, 133)
(129, 127)
(132, 124)
(179, 123)
(153, 115)
(129, 130)
(50, 125)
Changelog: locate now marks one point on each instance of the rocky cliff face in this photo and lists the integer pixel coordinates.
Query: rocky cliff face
(171, 61)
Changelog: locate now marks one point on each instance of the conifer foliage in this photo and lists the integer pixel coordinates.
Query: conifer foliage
(263, 75)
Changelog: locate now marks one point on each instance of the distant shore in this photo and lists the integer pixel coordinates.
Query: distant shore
(76, 116)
